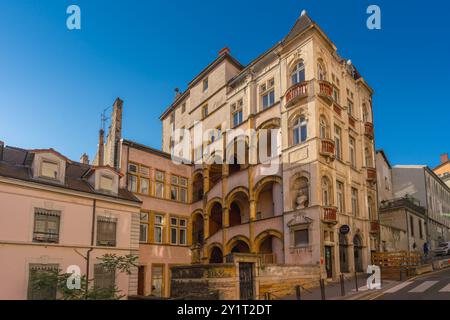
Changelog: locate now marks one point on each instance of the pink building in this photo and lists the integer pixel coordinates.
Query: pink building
(55, 213)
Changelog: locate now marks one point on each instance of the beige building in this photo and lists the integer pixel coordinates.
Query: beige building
(56, 213)
(291, 215)
(443, 169)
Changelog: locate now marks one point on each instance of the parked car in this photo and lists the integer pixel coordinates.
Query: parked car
(443, 249)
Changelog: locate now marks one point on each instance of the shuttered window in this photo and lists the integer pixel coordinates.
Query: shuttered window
(38, 291)
(103, 278)
(106, 231)
(46, 226)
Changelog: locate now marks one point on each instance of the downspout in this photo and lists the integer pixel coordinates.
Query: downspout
(88, 255)
(427, 213)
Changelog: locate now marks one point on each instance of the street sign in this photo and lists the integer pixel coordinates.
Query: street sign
(344, 229)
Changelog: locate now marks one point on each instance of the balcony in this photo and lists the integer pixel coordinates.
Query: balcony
(329, 215)
(371, 175)
(406, 202)
(374, 227)
(326, 91)
(368, 130)
(327, 148)
(297, 92)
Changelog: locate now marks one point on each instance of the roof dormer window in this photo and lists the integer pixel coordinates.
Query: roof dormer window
(49, 170)
(106, 183)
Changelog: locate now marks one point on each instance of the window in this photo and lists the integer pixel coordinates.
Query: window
(354, 201)
(104, 278)
(106, 231)
(178, 231)
(46, 226)
(340, 196)
(420, 229)
(47, 292)
(143, 232)
(178, 188)
(172, 120)
(301, 238)
(321, 73)
(205, 84)
(366, 115)
(299, 130)
(159, 184)
(236, 112)
(267, 93)
(326, 192)
(183, 107)
(352, 152)
(298, 74)
(106, 183)
(411, 224)
(336, 94)
(138, 178)
(337, 142)
(158, 228)
(205, 111)
(350, 107)
(157, 280)
(368, 157)
(323, 128)
(49, 170)
(370, 208)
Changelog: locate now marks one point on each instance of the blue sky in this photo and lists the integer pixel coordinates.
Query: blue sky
(54, 83)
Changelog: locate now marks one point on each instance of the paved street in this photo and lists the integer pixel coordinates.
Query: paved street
(432, 286)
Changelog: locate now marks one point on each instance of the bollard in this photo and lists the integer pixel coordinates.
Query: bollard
(356, 281)
(322, 289)
(342, 285)
(298, 292)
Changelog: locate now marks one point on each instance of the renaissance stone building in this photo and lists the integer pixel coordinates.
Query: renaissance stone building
(326, 177)
(302, 207)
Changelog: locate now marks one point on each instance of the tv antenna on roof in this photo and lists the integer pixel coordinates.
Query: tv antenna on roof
(103, 118)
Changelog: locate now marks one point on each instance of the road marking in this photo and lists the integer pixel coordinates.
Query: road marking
(445, 289)
(424, 286)
(398, 287)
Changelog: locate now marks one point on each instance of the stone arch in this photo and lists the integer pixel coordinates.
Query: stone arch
(267, 233)
(326, 190)
(260, 184)
(197, 185)
(235, 160)
(273, 122)
(300, 190)
(214, 212)
(322, 73)
(197, 227)
(238, 206)
(211, 203)
(269, 197)
(237, 240)
(215, 253)
(268, 142)
(232, 194)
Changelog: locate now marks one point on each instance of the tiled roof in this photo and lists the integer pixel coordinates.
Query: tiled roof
(16, 164)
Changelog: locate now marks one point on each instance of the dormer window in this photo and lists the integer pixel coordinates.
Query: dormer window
(106, 183)
(49, 170)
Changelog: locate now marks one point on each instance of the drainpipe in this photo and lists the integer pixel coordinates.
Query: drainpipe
(88, 255)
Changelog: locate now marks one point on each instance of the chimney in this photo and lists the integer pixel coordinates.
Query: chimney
(84, 159)
(444, 158)
(2, 146)
(101, 147)
(224, 50)
(177, 93)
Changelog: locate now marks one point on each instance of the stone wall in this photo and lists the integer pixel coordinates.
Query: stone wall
(281, 280)
(203, 281)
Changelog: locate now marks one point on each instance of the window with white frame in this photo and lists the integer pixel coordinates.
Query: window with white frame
(143, 234)
(237, 113)
(178, 188)
(159, 184)
(267, 93)
(352, 152)
(340, 192)
(178, 231)
(158, 230)
(298, 73)
(299, 130)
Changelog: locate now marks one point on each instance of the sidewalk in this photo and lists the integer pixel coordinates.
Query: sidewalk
(333, 289)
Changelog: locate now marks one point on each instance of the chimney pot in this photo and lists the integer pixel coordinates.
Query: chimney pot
(84, 159)
(224, 50)
(2, 146)
(444, 158)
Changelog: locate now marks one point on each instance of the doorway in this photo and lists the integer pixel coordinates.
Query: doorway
(141, 281)
(329, 261)
(357, 252)
(246, 281)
